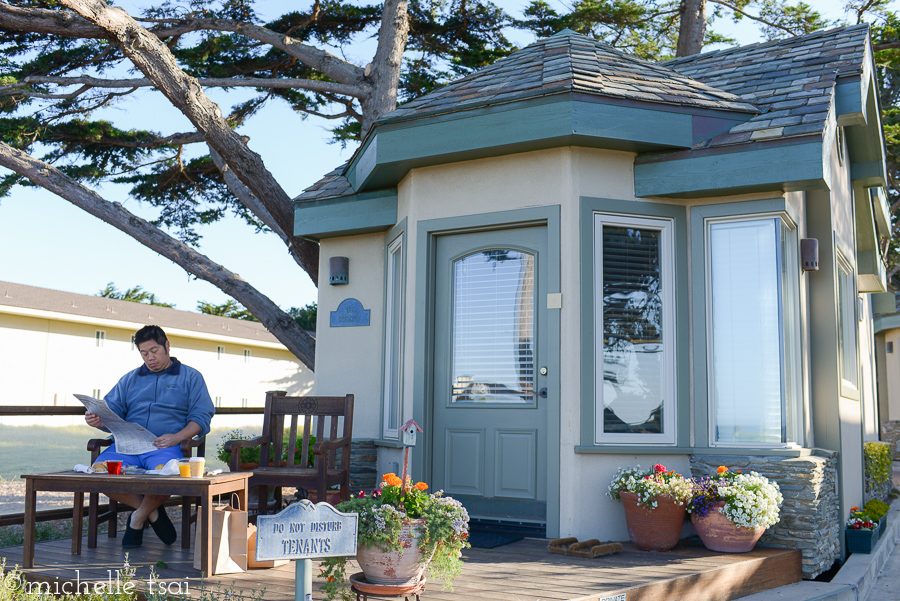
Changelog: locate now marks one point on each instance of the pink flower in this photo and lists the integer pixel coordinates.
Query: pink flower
(362, 494)
(659, 468)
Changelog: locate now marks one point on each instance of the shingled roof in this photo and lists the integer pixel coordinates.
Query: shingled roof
(98, 307)
(790, 80)
(569, 62)
(785, 84)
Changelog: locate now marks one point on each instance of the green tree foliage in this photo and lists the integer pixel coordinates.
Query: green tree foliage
(136, 294)
(229, 308)
(162, 168)
(305, 316)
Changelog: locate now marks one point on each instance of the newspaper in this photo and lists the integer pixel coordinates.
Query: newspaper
(131, 439)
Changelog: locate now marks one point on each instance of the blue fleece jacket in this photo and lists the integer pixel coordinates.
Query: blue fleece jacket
(163, 402)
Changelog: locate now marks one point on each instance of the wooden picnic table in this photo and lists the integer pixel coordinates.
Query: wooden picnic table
(78, 483)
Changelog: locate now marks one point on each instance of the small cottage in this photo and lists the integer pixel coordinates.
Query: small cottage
(575, 260)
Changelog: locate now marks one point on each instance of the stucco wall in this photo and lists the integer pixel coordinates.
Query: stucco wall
(349, 359)
(45, 361)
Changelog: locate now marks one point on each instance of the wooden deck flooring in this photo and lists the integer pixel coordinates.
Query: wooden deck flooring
(521, 571)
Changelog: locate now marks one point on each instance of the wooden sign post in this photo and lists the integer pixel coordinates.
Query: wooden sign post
(302, 532)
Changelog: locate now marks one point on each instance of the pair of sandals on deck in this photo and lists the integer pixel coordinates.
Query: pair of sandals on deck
(163, 527)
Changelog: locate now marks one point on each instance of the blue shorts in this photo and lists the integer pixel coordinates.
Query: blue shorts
(148, 461)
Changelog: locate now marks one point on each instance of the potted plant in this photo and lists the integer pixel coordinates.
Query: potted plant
(250, 455)
(402, 531)
(861, 533)
(878, 511)
(731, 510)
(654, 503)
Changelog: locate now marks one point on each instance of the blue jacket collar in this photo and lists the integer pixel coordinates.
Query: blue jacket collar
(172, 370)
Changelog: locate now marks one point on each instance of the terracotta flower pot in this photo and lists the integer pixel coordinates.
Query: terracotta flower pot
(395, 567)
(656, 529)
(718, 533)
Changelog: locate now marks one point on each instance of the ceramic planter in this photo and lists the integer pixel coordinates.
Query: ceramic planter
(656, 529)
(718, 533)
(860, 541)
(395, 568)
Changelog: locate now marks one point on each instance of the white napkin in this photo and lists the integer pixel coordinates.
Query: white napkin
(169, 469)
(84, 469)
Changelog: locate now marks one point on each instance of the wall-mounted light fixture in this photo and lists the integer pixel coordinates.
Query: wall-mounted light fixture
(809, 254)
(340, 271)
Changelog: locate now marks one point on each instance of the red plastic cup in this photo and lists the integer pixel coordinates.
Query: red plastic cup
(114, 466)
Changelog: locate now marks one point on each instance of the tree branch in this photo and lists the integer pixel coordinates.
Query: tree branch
(250, 82)
(157, 63)
(754, 17)
(66, 24)
(276, 321)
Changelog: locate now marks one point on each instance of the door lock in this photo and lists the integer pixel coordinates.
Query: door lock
(543, 371)
(543, 393)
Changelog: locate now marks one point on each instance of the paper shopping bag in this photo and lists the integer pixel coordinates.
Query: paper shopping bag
(228, 548)
(251, 552)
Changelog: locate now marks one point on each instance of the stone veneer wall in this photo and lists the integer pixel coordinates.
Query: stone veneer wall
(890, 433)
(810, 516)
(363, 458)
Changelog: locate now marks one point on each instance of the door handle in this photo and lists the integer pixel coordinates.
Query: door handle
(543, 393)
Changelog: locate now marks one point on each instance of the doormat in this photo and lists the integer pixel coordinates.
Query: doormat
(487, 539)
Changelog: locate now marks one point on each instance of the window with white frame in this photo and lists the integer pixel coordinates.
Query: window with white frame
(393, 340)
(246, 355)
(220, 352)
(634, 306)
(754, 332)
(100, 338)
(96, 393)
(847, 303)
(133, 345)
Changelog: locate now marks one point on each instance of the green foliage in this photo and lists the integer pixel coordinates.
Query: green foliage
(879, 465)
(134, 295)
(230, 308)
(305, 316)
(877, 509)
(252, 454)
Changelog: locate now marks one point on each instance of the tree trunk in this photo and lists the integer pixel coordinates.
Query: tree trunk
(279, 323)
(383, 73)
(693, 27)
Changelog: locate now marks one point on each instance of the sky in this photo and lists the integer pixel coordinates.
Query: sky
(45, 241)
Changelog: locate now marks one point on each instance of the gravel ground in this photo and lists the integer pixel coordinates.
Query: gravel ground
(12, 498)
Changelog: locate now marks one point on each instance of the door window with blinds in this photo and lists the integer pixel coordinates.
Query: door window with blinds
(634, 357)
(754, 339)
(493, 328)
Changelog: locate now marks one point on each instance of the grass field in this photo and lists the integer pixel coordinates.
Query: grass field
(36, 449)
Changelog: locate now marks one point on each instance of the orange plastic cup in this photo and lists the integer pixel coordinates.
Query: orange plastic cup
(184, 469)
(114, 466)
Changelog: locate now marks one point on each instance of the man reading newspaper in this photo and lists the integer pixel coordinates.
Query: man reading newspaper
(170, 400)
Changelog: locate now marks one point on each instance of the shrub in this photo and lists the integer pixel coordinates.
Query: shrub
(877, 509)
(879, 465)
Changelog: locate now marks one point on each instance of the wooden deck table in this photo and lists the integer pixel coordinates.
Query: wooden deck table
(69, 481)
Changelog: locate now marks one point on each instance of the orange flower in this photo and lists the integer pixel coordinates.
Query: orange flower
(854, 508)
(421, 485)
(740, 472)
(393, 480)
(387, 477)
(722, 469)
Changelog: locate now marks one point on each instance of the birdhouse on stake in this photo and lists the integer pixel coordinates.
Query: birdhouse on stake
(409, 433)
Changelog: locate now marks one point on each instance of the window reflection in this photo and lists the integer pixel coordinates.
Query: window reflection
(493, 328)
(633, 367)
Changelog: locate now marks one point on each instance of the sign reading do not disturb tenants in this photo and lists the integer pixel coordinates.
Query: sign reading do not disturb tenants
(306, 531)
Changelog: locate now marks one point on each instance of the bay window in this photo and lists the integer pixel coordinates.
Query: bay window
(753, 332)
(634, 352)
